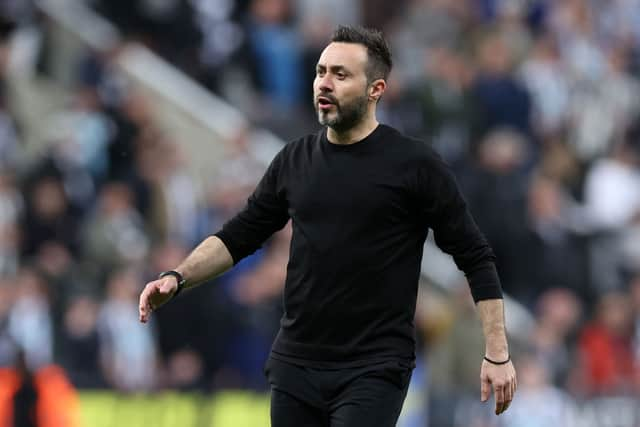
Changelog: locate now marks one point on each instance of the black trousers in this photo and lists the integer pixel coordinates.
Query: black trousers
(370, 396)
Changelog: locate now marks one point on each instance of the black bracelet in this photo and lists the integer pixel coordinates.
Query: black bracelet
(179, 279)
(493, 362)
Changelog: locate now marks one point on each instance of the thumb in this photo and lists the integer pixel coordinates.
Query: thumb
(485, 389)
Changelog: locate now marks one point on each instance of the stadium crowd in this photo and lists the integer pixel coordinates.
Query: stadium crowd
(534, 103)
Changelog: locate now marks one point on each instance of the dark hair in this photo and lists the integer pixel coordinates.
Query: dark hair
(379, 56)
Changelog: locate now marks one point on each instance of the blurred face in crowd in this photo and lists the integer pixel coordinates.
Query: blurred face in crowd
(273, 12)
(614, 313)
(494, 56)
(341, 88)
(49, 200)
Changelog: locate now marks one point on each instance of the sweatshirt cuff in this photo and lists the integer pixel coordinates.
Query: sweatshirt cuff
(485, 283)
(233, 249)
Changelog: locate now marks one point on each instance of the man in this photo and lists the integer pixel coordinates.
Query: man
(361, 198)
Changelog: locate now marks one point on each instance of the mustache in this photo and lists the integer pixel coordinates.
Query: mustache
(328, 96)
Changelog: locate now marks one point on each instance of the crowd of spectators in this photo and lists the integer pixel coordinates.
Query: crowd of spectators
(534, 103)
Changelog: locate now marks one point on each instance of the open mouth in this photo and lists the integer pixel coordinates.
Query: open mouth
(325, 103)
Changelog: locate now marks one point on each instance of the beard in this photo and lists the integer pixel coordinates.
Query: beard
(345, 116)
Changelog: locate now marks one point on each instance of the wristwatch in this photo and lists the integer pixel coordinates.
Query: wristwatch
(181, 281)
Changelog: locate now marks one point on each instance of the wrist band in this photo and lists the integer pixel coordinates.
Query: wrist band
(493, 362)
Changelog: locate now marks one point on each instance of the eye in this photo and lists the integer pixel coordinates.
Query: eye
(319, 72)
(341, 76)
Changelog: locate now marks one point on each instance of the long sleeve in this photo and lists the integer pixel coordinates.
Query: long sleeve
(455, 231)
(264, 214)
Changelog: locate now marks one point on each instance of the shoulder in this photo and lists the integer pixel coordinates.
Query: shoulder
(415, 153)
(300, 145)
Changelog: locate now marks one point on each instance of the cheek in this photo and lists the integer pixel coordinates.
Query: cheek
(316, 84)
(351, 89)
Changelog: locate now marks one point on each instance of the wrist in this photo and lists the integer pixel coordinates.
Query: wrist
(497, 354)
(179, 280)
(498, 361)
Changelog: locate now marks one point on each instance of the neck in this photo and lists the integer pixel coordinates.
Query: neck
(354, 134)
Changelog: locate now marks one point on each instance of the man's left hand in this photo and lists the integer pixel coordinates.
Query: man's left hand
(503, 380)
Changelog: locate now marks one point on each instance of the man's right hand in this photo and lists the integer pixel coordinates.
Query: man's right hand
(155, 294)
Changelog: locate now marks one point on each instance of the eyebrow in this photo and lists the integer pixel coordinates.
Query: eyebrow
(333, 68)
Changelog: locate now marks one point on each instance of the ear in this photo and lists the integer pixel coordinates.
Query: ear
(376, 89)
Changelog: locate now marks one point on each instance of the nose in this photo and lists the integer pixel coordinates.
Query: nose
(325, 84)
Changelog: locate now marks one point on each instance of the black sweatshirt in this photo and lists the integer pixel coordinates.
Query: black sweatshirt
(360, 216)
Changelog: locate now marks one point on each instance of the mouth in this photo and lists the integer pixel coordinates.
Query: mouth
(325, 103)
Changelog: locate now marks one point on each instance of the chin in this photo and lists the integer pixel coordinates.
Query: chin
(326, 119)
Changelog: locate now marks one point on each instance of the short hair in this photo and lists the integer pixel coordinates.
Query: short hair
(379, 61)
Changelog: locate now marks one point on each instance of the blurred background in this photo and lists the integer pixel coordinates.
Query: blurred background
(131, 130)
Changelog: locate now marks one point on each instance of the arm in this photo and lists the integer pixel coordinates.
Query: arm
(491, 314)
(208, 260)
(264, 214)
(456, 233)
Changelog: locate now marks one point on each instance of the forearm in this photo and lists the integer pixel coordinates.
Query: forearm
(208, 260)
(491, 312)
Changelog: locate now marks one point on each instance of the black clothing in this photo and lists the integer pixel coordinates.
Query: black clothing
(364, 396)
(360, 216)
(24, 404)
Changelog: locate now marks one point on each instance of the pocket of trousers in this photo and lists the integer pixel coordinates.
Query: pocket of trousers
(395, 373)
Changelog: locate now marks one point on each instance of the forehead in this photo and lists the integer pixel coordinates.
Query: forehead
(349, 55)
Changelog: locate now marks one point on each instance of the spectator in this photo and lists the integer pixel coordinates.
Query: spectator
(114, 233)
(426, 23)
(558, 315)
(127, 349)
(601, 108)
(453, 373)
(502, 101)
(607, 363)
(543, 74)
(495, 185)
(11, 209)
(539, 403)
(48, 217)
(30, 323)
(612, 199)
(7, 343)
(553, 251)
(234, 180)
(177, 189)
(445, 102)
(37, 397)
(85, 132)
(80, 344)
(185, 371)
(278, 54)
(9, 144)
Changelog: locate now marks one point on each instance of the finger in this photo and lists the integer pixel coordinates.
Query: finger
(507, 395)
(485, 390)
(144, 307)
(498, 392)
(513, 388)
